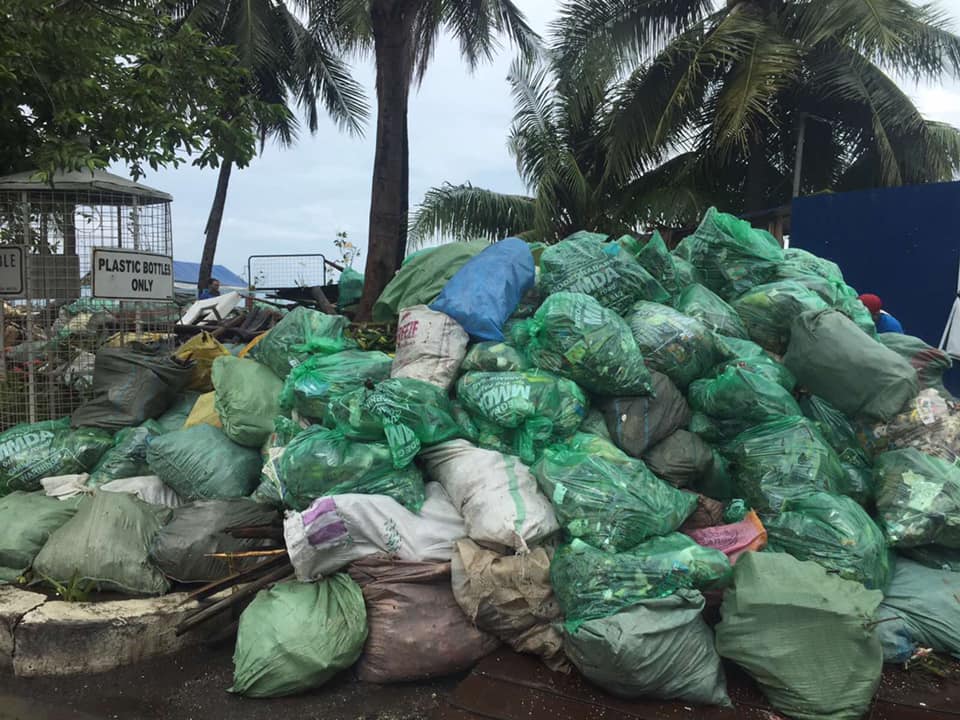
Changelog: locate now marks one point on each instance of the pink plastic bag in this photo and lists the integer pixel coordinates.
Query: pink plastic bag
(733, 540)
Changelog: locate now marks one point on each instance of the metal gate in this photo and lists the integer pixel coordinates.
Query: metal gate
(52, 326)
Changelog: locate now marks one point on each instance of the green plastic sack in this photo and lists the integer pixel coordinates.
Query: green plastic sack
(731, 256)
(296, 636)
(681, 459)
(768, 312)
(731, 348)
(107, 544)
(704, 305)
(247, 399)
(270, 491)
(679, 346)
(840, 432)
(783, 460)
(918, 499)
(176, 416)
(26, 522)
(183, 547)
(636, 424)
(591, 583)
(422, 277)
(925, 599)
(737, 400)
(584, 264)
(520, 413)
(835, 532)
(686, 273)
(797, 261)
(405, 413)
(852, 371)
(310, 387)
(321, 462)
(494, 357)
(595, 424)
(850, 305)
(575, 337)
(301, 333)
(804, 635)
(31, 452)
(658, 648)
(929, 362)
(128, 456)
(612, 506)
(656, 260)
(718, 482)
(350, 286)
(202, 463)
(762, 365)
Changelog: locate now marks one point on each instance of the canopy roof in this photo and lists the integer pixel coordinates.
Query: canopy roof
(120, 188)
(188, 272)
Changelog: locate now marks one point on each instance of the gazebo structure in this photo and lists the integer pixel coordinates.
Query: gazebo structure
(52, 326)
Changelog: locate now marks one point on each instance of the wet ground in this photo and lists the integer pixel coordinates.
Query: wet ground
(192, 686)
(504, 686)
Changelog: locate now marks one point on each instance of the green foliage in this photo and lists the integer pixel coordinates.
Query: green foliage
(86, 83)
(731, 87)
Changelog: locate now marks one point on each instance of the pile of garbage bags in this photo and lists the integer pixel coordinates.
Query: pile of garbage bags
(574, 450)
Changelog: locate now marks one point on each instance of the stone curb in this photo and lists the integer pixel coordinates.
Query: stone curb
(43, 637)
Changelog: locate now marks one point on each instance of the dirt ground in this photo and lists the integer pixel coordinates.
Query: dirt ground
(192, 686)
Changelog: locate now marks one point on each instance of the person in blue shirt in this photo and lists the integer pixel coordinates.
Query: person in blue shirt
(885, 322)
(212, 290)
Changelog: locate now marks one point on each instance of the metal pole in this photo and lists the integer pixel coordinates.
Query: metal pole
(136, 246)
(798, 160)
(31, 377)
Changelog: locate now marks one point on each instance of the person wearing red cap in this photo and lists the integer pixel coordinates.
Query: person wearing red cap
(885, 322)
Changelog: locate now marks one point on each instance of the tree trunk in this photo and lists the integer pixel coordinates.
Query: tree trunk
(212, 231)
(756, 191)
(389, 199)
(798, 158)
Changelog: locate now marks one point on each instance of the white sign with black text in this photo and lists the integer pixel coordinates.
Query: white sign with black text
(132, 275)
(12, 273)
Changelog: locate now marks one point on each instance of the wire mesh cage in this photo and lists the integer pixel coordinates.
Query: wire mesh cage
(53, 327)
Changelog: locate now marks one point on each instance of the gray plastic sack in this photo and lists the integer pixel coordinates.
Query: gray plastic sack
(183, 546)
(106, 544)
(658, 648)
(202, 463)
(834, 359)
(130, 386)
(927, 601)
(638, 423)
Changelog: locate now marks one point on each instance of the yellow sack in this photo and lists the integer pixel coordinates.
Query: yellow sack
(203, 349)
(204, 412)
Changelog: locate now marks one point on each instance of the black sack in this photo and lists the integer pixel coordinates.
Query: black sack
(131, 386)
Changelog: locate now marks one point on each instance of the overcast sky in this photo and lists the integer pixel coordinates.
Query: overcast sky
(296, 200)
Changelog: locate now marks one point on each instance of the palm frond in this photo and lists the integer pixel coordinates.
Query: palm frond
(533, 139)
(597, 35)
(769, 65)
(464, 212)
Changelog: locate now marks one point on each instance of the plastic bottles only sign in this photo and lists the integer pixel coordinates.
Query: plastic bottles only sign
(12, 273)
(132, 275)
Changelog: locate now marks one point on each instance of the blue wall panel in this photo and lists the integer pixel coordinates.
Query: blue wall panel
(902, 244)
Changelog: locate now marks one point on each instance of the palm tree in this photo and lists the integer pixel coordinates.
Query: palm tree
(402, 35)
(785, 96)
(287, 65)
(558, 138)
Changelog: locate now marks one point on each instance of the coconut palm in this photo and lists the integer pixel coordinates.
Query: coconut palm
(402, 35)
(289, 66)
(796, 94)
(558, 139)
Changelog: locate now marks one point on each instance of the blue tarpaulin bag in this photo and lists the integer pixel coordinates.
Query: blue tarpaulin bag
(488, 288)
